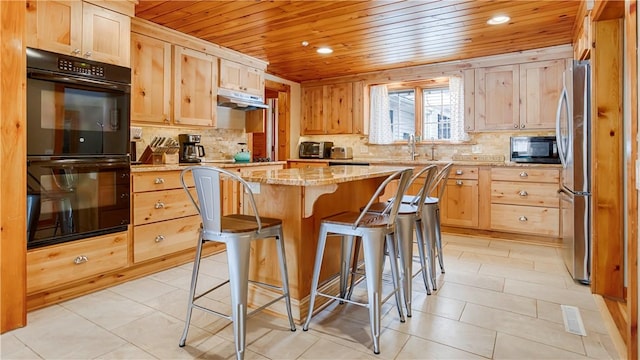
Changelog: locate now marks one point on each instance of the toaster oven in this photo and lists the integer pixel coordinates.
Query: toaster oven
(315, 149)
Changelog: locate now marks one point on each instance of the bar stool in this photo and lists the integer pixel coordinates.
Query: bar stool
(236, 231)
(376, 230)
(431, 221)
(408, 220)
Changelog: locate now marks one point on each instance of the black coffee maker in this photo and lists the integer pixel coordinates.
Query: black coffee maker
(190, 151)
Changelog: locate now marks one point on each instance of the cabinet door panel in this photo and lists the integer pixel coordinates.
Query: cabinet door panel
(459, 204)
(106, 35)
(312, 111)
(195, 87)
(540, 87)
(497, 98)
(339, 111)
(55, 26)
(150, 80)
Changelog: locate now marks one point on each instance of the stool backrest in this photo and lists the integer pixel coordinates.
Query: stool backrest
(209, 192)
(441, 178)
(428, 174)
(403, 175)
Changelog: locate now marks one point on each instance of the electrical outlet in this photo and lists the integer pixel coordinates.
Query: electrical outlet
(255, 187)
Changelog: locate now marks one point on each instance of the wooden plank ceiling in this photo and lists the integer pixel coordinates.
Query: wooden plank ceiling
(365, 35)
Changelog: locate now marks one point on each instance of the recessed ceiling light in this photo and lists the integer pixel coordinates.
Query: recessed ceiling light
(498, 19)
(324, 50)
(305, 43)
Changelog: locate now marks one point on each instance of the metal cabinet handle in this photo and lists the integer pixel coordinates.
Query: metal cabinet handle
(522, 126)
(87, 54)
(524, 174)
(523, 193)
(80, 260)
(459, 182)
(159, 205)
(159, 238)
(523, 218)
(75, 51)
(515, 126)
(158, 181)
(459, 172)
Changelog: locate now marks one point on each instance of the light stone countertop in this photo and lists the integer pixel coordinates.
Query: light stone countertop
(316, 176)
(418, 162)
(221, 164)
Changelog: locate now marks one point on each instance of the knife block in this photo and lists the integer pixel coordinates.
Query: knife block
(147, 156)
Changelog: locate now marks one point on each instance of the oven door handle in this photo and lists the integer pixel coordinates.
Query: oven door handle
(49, 76)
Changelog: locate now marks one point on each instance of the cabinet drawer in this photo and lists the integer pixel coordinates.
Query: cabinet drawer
(523, 193)
(525, 174)
(158, 239)
(533, 220)
(161, 205)
(59, 264)
(463, 172)
(159, 180)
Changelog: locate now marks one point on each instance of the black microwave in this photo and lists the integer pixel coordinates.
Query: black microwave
(534, 149)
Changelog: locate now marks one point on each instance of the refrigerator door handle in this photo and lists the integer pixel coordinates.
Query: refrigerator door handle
(562, 151)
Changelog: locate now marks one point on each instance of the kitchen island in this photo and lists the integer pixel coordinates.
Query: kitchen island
(301, 198)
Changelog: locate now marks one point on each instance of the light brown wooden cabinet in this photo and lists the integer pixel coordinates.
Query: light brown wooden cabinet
(79, 29)
(515, 97)
(525, 200)
(164, 219)
(150, 80)
(196, 87)
(56, 265)
(497, 98)
(327, 109)
(240, 77)
(459, 205)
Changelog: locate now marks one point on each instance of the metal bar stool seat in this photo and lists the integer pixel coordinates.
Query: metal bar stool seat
(376, 231)
(431, 220)
(236, 231)
(408, 220)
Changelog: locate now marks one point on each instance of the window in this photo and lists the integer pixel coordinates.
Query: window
(436, 114)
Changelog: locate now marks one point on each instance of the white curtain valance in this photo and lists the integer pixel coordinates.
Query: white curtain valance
(380, 122)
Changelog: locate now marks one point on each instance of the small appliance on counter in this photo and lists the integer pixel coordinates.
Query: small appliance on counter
(341, 152)
(190, 151)
(534, 149)
(315, 149)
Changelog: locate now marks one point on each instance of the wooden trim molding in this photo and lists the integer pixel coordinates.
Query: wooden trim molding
(13, 172)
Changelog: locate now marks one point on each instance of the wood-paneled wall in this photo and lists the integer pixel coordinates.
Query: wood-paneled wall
(12, 165)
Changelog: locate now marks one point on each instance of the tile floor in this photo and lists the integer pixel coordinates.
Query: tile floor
(498, 299)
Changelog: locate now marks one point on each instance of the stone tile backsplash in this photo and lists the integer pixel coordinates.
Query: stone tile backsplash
(218, 143)
(489, 143)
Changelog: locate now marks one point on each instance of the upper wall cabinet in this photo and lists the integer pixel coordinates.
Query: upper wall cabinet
(327, 109)
(497, 97)
(513, 97)
(79, 29)
(195, 89)
(540, 88)
(235, 76)
(150, 80)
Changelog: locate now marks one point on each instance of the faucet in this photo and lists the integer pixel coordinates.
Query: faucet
(412, 146)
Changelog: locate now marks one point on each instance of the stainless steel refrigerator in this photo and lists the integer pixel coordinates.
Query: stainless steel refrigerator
(573, 133)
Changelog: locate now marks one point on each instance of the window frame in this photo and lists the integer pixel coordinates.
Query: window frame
(418, 87)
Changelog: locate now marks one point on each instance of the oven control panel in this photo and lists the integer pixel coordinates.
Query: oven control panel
(80, 67)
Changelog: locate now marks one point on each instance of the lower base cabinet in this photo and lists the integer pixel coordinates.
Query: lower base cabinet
(534, 220)
(59, 264)
(459, 205)
(153, 240)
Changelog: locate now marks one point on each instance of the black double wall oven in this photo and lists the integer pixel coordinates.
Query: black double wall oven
(78, 166)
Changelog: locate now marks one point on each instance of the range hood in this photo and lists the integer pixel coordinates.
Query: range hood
(240, 101)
